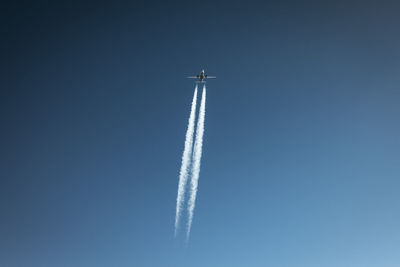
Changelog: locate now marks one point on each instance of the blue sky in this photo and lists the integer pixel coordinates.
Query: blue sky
(300, 161)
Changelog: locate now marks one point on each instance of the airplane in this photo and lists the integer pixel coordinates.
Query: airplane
(201, 77)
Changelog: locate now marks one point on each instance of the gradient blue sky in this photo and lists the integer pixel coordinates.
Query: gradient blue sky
(301, 160)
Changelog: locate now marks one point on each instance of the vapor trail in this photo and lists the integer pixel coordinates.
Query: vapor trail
(198, 144)
(186, 159)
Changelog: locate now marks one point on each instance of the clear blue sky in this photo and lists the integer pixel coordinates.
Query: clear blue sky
(301, 160)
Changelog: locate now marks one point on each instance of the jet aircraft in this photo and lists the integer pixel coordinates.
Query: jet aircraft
(201, 77)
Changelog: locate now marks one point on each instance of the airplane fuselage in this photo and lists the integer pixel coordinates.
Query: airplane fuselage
(201, 76)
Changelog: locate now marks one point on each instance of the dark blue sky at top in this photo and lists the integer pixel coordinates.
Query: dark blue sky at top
(301, 160)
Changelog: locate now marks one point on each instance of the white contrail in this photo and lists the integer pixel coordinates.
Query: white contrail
(198, 144)
(186, 159)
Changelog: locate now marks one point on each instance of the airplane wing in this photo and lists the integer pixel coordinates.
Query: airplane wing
(211, 77)
(192, 77)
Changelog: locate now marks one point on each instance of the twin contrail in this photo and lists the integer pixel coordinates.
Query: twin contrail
(186, 160)
(191, 159)
(198, 146)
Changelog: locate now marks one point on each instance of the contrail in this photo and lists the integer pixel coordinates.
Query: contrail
(198, 144)
(186, 159)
